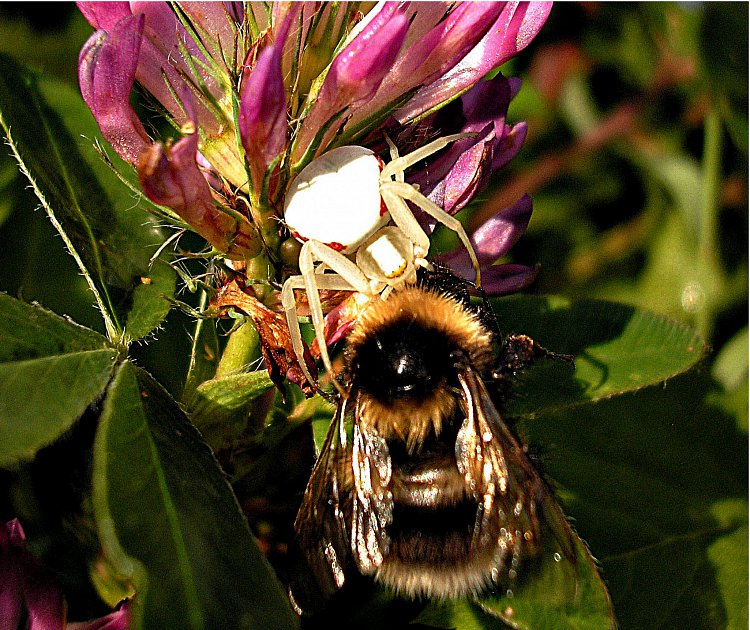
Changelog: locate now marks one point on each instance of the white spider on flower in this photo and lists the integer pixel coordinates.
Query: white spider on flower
(339, 206)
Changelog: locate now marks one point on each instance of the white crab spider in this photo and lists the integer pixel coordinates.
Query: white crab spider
(337, 207)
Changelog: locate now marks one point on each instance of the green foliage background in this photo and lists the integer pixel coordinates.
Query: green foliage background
(636, 159)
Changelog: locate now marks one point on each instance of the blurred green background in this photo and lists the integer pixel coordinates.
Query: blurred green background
(637, 161)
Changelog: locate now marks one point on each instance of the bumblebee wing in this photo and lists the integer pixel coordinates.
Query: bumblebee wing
(372, 505)
(320, 548)
(499, 474)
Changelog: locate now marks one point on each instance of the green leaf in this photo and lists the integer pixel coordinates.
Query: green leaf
(320, 426)
(545, 601)
(219, 400)
(459, 614)
(50, 371)
(286, 413)
(221, 408)
(29, 332)
(320, 416)
(169, 522)
(728, 557)
(675, 565)
(29, 248)
(204, 354)
(150, 303)
(730, 368)
(653, 481)
(558, 595)
(129, 235)
(616, 349)
(108, 236)
(8, 177)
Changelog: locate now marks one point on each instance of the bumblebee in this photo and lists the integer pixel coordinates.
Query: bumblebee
(420, 483)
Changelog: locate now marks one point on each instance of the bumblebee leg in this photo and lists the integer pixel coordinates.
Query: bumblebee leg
(519, 351)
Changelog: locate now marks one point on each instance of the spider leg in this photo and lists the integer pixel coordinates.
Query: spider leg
(405, 161)
(394, 156)
(347, 276)
(404, 218)
(408, 192)
(336, 262)
(387, 291)
(331, 282)
(289, 305)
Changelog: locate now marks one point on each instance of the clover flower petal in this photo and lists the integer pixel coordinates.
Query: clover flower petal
(104, 15)
(117, 620)
(106, 71)
(171, 176)
(492, 240)
(507, 279)
(432, 54)
(358, 70)
(27, 588)
(513, 30)
(274, 86)
(453, 179)
(263, 109)
(355, 74)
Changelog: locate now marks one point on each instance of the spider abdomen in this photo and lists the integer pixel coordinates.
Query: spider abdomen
(336, 199)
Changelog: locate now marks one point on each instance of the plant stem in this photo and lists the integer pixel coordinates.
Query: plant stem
(243, 347)
(241, 350)
(711, 185)
(203, 355)
(710, 273)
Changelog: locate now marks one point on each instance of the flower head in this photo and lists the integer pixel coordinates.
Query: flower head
(257, 91)
(260, 92)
